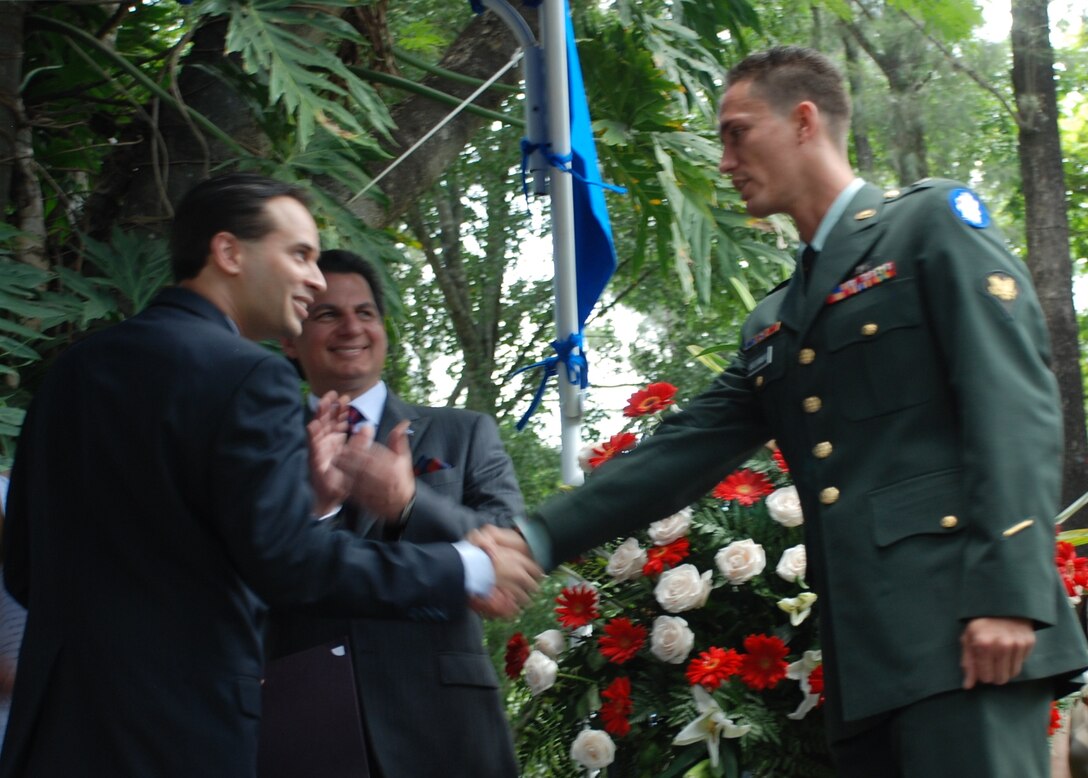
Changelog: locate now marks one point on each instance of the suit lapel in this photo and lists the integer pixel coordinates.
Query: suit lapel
(849, 241)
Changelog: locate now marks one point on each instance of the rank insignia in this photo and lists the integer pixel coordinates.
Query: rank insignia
(868, 213)
(1002, 286)
(969, 208)
(761, 336)
(861, 283)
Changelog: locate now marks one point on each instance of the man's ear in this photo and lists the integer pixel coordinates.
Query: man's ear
(225, 251)
(807, 119)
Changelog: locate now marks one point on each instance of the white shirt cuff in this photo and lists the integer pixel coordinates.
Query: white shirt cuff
(479, 572)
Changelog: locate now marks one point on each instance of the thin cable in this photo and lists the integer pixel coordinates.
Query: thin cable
(446, 120)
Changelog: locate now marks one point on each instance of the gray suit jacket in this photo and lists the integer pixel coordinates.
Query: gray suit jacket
(429, 692)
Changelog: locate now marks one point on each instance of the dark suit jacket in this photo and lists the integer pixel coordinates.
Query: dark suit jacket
(159, 493)
(429, 692)
(920, 422)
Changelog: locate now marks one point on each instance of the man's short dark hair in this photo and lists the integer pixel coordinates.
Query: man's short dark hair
(787, 75)
(234, 203)
(341, 261)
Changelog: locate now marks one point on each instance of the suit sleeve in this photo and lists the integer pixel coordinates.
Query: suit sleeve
(490, 493)
(262, 505)
(685, 457)
(990, 330)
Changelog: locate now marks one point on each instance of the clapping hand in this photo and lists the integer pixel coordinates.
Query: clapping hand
(516, 573)
(382, 479)
(327, 432)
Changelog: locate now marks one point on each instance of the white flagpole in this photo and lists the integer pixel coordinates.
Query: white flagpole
(553, 27)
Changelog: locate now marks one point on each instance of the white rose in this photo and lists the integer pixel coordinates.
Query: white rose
(784, 506)
(671, 639)
(792, 565)
(593, 749)
(584, 456)
(671, 528)
(626, 561)
(539, 672)
(682, 589)
(550, 643)
(741, 560)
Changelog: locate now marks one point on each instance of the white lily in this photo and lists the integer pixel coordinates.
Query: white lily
(798, 607)
(800, 671)
(710, 725)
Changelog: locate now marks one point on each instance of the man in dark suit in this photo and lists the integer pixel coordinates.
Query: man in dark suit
(903, 373)
(159, 495)
(428, 692)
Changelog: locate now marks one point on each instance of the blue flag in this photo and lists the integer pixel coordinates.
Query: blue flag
(595, 254)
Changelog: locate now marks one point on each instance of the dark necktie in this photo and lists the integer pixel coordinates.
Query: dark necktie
(355, 418)
(808, 259)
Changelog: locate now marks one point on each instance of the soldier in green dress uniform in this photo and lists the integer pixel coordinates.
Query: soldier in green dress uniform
(903, 371)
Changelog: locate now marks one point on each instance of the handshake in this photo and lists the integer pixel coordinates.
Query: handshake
(516, 572)
(380, 479)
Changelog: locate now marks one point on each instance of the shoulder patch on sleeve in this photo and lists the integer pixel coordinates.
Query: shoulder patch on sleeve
(969, 208)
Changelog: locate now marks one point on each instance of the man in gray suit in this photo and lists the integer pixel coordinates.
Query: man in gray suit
(433, 474)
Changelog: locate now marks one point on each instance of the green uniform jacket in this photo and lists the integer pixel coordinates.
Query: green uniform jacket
(910, 393)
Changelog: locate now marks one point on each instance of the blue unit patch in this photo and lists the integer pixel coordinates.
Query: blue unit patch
(969, 208)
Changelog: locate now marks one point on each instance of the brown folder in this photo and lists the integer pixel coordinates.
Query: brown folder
(310, 721)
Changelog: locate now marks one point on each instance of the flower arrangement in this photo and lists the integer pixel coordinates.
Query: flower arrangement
(680, 651)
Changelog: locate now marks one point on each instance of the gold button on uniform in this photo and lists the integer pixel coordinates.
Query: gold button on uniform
(948, 522)
(759, 381)
(869, 329)
(805, 356)
(822, 450)
(829, 496)
(812, 404)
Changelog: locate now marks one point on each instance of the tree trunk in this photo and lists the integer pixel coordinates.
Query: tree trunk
(480, 50)
(859, 125)
(1047, 226)
(11, 74)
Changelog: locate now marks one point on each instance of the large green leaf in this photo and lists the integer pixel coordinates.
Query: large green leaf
(315, 87)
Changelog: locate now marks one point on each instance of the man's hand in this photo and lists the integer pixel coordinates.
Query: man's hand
(382, 479)
(516, 574)
(327, 432)
(994, 649)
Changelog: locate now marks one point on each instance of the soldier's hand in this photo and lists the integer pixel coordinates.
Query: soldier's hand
(994, 649)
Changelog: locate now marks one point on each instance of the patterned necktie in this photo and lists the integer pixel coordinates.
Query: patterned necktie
(355, 419)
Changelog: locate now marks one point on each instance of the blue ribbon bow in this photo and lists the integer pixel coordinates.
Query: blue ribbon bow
(569, 353)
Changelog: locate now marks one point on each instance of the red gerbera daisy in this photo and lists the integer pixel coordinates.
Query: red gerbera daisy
(577, 606)
(517, 651)
(1072, 568)
(744, 486)
(615, 445)
(765, 663)
(1055, 719)
(661, 558)
(621, 640)
(654, 398)
(780, 460)
(712, 667)
(617, 707)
